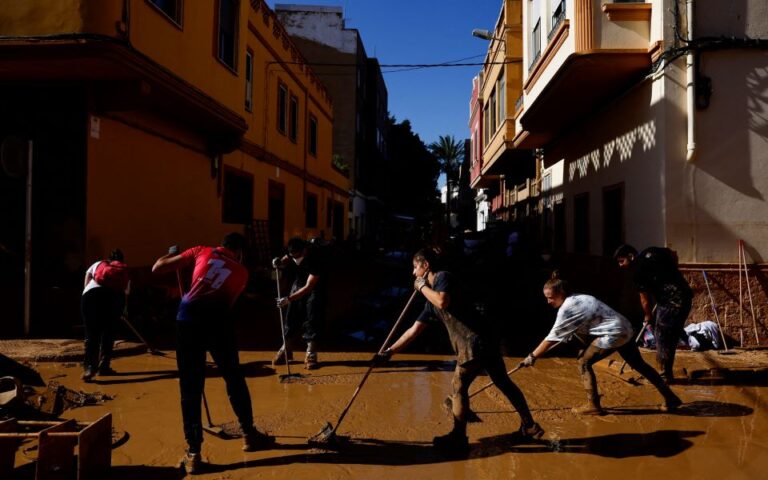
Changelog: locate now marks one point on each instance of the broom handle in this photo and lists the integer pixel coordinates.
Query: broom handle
(749, 291)
(714, 309)
(282, 322)
(370, 368)
(510, 372)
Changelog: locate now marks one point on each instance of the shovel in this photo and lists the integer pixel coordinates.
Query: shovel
(327, 435)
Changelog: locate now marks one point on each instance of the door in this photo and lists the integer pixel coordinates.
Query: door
(338, 221)
(13, 179)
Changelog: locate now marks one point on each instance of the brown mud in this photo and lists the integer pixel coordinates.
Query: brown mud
(721, 431)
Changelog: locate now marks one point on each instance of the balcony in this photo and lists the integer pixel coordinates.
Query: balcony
(589, 59)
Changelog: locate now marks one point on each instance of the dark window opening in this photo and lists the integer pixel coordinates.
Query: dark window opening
(613, 218)
(581, 223)
(282, 105)
(237, 202)
(312, 136)
(249, 80)
(329, 213)
(559, 226)
(294, 119)
(227, 15)
(171, 8)
(311, 211)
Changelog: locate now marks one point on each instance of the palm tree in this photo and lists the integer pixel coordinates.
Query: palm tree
(448, 152)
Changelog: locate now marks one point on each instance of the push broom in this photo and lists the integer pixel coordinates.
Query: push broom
(287, 377)
(326, 437)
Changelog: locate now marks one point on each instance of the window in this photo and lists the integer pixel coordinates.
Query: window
(486, 125)
(536, 43)
(613, 218)
(501, 89)
(237, 201)
(581, 223)
(282, 105)
(227, 15)
(312, 136)
(249, 80)
(294, 119)
(311, 210)
(492, 113)
(329, 213)
(171, 8)
(558, 15)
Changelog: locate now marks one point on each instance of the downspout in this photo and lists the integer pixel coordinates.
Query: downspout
(28, 245)
(690, 85)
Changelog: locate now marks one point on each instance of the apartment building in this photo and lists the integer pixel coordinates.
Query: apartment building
(338, 55)
(143, 124)
(648, 118)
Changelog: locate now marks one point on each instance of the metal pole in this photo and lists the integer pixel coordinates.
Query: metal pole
(28, 245)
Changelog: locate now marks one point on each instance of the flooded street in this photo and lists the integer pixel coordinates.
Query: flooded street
(720, 432)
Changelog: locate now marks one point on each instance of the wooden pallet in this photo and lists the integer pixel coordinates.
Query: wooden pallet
(58, 441)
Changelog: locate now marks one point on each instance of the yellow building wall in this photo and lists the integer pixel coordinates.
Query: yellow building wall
(47, 17)
(149, 183)
(145, 193)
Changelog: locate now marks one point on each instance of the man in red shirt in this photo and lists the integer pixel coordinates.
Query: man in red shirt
(205, 323)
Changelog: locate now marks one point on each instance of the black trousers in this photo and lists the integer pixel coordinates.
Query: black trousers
(465, 374)
(216, 335)
(305, 315)
(101, 308)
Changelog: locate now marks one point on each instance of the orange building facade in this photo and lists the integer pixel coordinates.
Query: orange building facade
(139, 124)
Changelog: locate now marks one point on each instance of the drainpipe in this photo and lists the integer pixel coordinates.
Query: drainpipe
(28, 246)
(690, 86)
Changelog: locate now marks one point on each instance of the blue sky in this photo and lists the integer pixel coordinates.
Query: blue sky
(435, 100)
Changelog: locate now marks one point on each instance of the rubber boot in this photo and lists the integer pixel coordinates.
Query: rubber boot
(310, 361)
(279, 358)
(592, 407)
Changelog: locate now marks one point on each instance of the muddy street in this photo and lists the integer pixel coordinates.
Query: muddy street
(720, 432)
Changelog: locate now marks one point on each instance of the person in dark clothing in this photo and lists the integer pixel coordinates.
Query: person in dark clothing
(663, 290)
(102, 304)
(205, 323)
(305, 302)
(476, 350)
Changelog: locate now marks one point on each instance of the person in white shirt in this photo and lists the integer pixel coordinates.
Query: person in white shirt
(604, 331)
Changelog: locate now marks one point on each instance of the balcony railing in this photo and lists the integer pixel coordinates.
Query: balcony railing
(557, 18)
(535, 43)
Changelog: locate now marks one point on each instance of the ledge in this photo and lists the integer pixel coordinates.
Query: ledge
(623, 12)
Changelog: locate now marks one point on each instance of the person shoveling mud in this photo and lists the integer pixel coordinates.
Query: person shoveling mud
(204, 322)
(475, 349)
(584, 316)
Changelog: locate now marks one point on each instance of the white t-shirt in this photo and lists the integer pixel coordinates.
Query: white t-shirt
(584, 315)
(92, 283)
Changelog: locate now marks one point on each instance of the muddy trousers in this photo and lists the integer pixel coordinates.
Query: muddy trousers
(463, 377)
(668, 330)
(628, 352)
(195, 337)
(101, 309)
